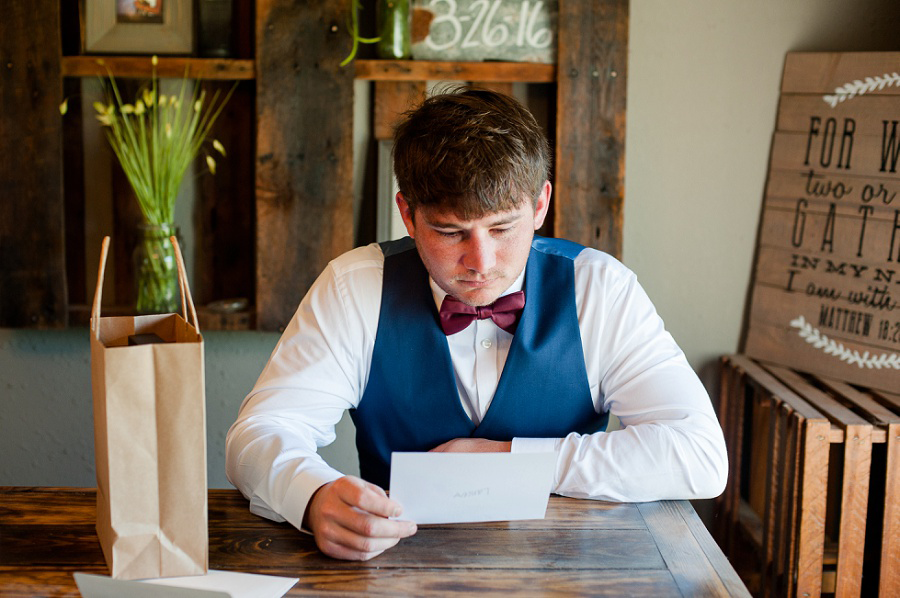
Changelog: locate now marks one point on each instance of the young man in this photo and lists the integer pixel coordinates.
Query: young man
(407, 335)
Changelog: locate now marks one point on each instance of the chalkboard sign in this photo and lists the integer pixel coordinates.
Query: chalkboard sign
(826, 293)
(474, 30)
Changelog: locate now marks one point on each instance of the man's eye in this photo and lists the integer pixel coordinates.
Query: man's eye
(501, 231)
(448, 234)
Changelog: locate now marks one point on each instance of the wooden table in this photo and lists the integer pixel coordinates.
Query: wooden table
(582, 548)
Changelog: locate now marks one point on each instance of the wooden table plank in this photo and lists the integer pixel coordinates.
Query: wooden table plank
(714, 554)
(228, 509)
(447, 549)
(582, 547)
(40, 506)
(442, 583)
(680, 549)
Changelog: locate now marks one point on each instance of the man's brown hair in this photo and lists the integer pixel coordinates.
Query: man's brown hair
(472, 152)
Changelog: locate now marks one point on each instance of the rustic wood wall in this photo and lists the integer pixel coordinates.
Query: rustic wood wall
(32, 251)
(590, 134)
(304, 167)
(297, 163)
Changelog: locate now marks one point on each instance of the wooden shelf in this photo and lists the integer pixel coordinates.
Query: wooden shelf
(424, 70)
(282, 206)
(140, 67)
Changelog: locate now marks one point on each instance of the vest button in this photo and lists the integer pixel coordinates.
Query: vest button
(486, 343)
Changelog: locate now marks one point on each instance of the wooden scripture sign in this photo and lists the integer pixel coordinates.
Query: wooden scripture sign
(475, 30)
(826, 294)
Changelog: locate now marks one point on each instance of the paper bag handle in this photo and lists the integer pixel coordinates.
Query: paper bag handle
(185, 287)
(98, 293)
(186, 298)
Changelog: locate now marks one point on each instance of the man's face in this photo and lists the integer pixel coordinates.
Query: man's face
(475, 260)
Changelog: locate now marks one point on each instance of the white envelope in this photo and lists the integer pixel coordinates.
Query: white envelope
(215, 584)
(469, 487)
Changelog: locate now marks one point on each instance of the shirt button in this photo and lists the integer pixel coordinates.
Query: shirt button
(486, 343)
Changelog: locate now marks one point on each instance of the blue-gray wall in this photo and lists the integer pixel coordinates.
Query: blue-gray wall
(46, 423)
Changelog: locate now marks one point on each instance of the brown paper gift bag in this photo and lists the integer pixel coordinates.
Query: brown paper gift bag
(150, 440)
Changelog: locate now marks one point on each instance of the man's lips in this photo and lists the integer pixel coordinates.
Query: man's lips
(477, 284)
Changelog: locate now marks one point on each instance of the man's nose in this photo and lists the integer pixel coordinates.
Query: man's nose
(480, 255)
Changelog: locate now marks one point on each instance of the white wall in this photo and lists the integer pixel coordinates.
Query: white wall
(703, 79)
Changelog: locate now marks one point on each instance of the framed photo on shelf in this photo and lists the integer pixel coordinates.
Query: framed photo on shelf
(138, 26)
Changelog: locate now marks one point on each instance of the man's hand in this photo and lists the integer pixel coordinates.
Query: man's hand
(349, 518)
(473, 445)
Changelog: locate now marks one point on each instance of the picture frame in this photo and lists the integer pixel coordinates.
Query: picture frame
(138, 26)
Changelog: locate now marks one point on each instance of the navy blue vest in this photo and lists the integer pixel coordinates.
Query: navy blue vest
(411, 402)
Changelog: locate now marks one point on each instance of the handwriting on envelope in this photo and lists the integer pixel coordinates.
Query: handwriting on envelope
(469, 487)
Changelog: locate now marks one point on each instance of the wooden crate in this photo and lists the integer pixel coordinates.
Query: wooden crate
(812, 504)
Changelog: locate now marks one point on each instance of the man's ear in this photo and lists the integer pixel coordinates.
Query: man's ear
(542, 205)
(406, 214)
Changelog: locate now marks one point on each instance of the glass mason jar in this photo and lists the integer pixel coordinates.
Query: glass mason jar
(393, 29)
(155, 270)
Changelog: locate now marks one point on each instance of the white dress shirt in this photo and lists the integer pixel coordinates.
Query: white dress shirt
(670, 446)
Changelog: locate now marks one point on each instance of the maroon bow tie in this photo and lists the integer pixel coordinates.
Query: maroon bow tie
(505, 312)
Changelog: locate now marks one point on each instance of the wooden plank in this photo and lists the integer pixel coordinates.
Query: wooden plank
(679, 548)
(837, 412)
(175, 67)
(822, 72)
(392, 99)
(877, 413)
(829, 239)
(19, 583)
(770, 481)
(571, 514)
(790, 505)
(448, 548)
(304, 195)
(889, 582)
(752, 524)
(854, 506)
(813, 500)
(873, 151)
(759, 376)
(857, 457)
(425, 70)
(590, 126)
(888, 398)
(32, 240)
(540, 583)
(727, 575)
(760, 430)
(396, 582)
(809, 112)
(40, 506)
(731, 408)
(843, 339)
(741, 393)
(784, 187)
(782, 498)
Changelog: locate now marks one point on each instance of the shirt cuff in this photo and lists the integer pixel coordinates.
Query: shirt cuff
(300, 491)
(535, 445)
(539, 445)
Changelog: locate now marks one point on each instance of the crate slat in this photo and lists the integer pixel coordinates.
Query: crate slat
(801, 464)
